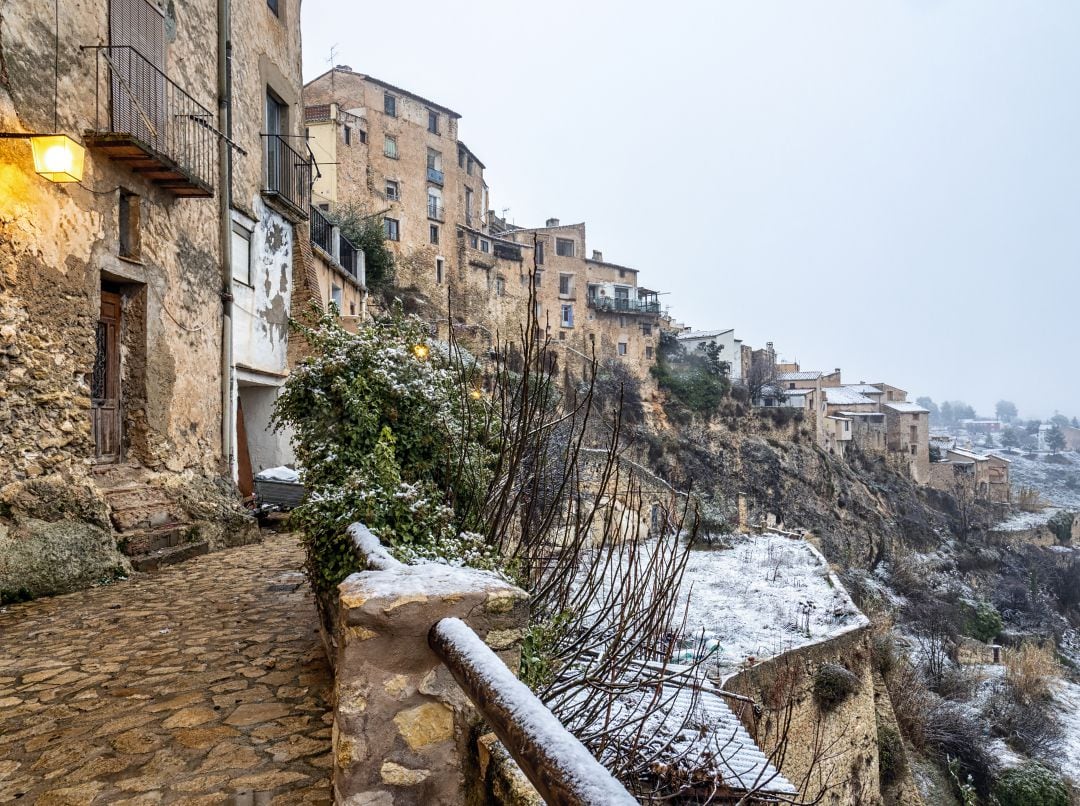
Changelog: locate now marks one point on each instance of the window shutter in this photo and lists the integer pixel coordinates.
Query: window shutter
(138, 90)
(139, 24)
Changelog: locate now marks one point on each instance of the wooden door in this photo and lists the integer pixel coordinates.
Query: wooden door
(105, 413)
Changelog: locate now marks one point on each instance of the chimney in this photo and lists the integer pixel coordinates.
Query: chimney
(837, 370)
(552, 222)
(598, 256)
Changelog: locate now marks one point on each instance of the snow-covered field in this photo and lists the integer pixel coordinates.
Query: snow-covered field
(1057, 478)
(763, 596)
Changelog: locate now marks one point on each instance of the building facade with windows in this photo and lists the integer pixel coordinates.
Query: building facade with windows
(137, 303)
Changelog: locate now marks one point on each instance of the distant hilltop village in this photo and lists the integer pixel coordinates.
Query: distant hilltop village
(397, 153)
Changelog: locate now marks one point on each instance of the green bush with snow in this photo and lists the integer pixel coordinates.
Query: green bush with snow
(1031, 784)
(388, 430)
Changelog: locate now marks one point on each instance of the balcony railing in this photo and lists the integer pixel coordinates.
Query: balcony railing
(328, 238)
(322, 231)
(288, 175)
(434, 175)
(506, 251)
(619, 305)
(146, 121)
(435, 211)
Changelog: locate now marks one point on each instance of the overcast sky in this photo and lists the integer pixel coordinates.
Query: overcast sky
(889, 187)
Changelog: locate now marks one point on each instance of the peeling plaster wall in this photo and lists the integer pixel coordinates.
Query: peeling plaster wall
(261, 310)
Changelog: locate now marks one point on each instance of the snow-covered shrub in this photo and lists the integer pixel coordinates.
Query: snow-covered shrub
(1031, 727)
(833, 684)
(1061, 524)
(1031, 785)
(984, 622)
(387, 432)
(955, 737)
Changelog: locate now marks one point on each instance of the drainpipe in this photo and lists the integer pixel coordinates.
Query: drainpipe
(224, 88)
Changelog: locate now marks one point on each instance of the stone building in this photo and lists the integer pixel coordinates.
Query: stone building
(138, 304)
(396, 154)
(589, 307)
(907, 438)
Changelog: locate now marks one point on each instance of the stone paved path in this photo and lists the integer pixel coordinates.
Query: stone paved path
(205, 683)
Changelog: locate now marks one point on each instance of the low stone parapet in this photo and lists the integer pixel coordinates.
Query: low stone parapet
(404, 732)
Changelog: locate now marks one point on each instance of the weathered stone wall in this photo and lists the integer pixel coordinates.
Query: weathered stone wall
(829, 750)
(402, 727)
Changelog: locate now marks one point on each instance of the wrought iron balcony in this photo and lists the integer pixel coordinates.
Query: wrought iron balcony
(434, 175)
(288, 175)
(619, 305)
(322, 231)
(333, 243)
(506, 251)
(435, 211)
(146, 121)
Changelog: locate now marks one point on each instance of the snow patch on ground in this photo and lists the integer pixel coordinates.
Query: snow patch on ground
(763, 596)
(1067, 700)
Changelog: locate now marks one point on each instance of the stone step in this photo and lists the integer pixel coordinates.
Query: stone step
(144, 516)
(147, 541)
(156, 560)
(134, 495)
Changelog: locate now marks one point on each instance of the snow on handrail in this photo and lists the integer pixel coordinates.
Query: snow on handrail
(374, 553)
(556, 763)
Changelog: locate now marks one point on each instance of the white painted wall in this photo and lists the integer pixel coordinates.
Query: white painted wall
(730, 350)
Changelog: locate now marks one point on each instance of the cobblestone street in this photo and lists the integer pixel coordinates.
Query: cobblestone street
(205, 683)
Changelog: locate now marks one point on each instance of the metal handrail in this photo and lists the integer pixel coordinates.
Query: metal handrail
(321, 231)
(147, 105)
(435, 175)
(435, 211)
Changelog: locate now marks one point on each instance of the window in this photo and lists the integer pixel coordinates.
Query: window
(562, 335)
(439, 264)
(392, 190)
(565, 281)
(646, 329)
(433, 233)
(622, 348)
(434, 204)
(392, 227)
(460, 158)
(335, 296)
(433, 121)
(648, 352)
(389, 104)
(273, 6)
(390, 147)
(276, 124)
(567, 318)
(363, 136)
(130, 220)
(500, 286)
(352, 308)
(564, 247)
(434, 160)
(468, 166)
(348, 135)
(536, 280)
(468, 207)
(622, 320)
(241, 254)
(539, 253)
(474, 241)
(485, 245)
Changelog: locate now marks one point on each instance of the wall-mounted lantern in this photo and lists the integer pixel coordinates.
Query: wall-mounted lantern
(57, 157)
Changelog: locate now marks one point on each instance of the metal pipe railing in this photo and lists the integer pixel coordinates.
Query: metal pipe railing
(557, 764)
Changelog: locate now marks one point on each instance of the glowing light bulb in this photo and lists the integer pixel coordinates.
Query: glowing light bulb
(421, 351)
(57, 159)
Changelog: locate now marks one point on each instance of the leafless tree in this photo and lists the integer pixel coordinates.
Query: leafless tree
(760, 379)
